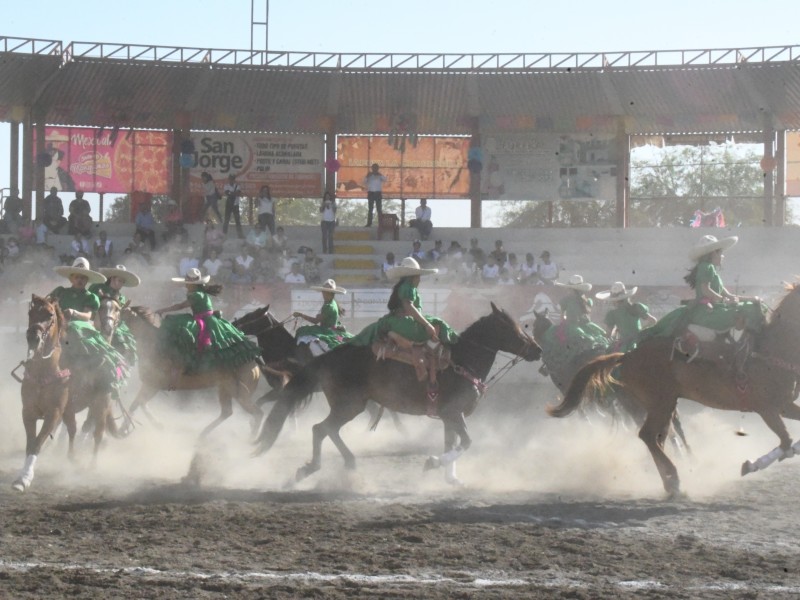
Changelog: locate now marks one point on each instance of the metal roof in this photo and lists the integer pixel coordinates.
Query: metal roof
(649, 92)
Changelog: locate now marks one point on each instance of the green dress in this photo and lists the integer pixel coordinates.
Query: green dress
(85, 348)
(203, 341)
(577, 325)
(718, 316)
(123, 339)
(627, 318)
(329, 330)
(404, 324)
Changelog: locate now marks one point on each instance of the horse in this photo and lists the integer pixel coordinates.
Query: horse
(351, 375)
(157, 373)
(655, 381)
(612, 399)
(52, 393)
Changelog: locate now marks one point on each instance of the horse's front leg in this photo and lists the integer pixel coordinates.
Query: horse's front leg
(144, 396)
(455, 429)
(32, 447)
(784, 450)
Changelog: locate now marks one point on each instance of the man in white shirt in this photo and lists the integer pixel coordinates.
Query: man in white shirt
(423, 219)
(187, 262)
(212, 264)
(374, 182)
(548, 270)
(244, 259)
(295, 277)
(232, 193)
(491, 271)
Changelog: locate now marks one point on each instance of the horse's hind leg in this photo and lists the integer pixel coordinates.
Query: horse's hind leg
(330, 428)
(256, 414)
(226, 410)
(653, 433)
(72, 427)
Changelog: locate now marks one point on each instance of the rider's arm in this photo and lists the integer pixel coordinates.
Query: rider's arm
(299, 315)
(174, 307)
(76, 315)
(410, 309)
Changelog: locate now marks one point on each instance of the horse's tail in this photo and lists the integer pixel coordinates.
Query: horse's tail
(594, 375)
(288, 399)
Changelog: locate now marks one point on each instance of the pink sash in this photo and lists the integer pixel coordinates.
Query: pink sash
(204, 337)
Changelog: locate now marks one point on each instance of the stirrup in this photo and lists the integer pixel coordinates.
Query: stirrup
(433, 402)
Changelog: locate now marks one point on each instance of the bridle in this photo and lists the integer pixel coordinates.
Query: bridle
(45, 326)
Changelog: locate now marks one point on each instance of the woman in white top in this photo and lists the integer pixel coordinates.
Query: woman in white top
(327, 210)
(266, 209)
(548, 271)
(211, 194)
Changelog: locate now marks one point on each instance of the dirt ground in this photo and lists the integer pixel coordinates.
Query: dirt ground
(549, 508)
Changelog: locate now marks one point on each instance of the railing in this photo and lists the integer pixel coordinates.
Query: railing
(30, 45)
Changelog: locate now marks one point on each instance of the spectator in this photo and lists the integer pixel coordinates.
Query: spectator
(374, 182)
(138, 248)
(232, 193)
(294, 276)
(469, 270)
(280, 242)
(422, 222)
(12, 249)
(103, 250)
(506, 278)
(173, 221)
(499, 253)
(387, 264)
(26, 234)
(213, 239)
(436, 253)
(477, 253)
(79, 219)
(491, 271)
(188, 261)
(512, 264)
(528, 270)
(327, 222)
(240, 275)
(266, 209)
(417, 253)
(547, 270)
(80, 246)
(455, 251)
(146, 225)
(41, 232)
(212, 264)
(257, 238)
(264, 268)
(211, 195)
(311, 267)
(53, 209)
(13, 210)
(244, 259)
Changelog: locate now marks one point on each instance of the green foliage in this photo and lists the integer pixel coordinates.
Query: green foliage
(565, 213)
(305, 211)
(119, 211)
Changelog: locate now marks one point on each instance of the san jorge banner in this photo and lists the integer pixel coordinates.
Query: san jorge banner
(434, 167)
(102, 160)
(291, 165)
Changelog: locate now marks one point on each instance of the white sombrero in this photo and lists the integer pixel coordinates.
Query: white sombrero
(81, 267)
(408, 267)
(617, 292)
(330, 287)
(193, 277)
(576, 282)
(129, 279)
(709, 243)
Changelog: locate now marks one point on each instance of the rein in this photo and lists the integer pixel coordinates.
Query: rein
(271, 327)
(483, 386)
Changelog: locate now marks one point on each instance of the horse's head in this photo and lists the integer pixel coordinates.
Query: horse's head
(108, 316)
(45, 324)
(541, 323)
(250, 323)
(505, 334)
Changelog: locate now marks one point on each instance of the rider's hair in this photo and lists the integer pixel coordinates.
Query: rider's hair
(691, 276)
(214, 289)
(394, 299)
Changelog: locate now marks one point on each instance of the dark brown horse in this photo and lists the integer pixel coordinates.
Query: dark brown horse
(52, 392)
(655, 380)
(350, 376)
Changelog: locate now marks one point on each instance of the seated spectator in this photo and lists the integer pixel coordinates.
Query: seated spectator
(13, 210)
(79, 219)
(528, 271)
(188, 261)
(212, 264)
(26, 234)
(103, 250)
(477, 253)
(547, 270)
(499, 253)
(470, 273)
(80, 246)
(240, 275)
(455, 251)
(506, 278)
(146, 225)
(173, 222)
(264, 267)
(310, 267)
(512, 264)
(422, 222)
(490, 273)
(12, 249)
(280, 243)
(41, 232)
(138, 247)
(435, 254)
(257, 238)
(244, 258)
(214, 239)
(387, 264)
(53, 209)
(294, 276)
(417, 252)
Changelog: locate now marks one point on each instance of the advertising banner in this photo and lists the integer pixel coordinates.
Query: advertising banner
(104, 160)
(549, 166)
(434, 167)
(292, 165)
(793, 163)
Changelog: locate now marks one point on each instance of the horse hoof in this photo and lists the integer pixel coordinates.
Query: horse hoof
(304, 472)
(748, 467)
(19, 485)
(433, 462)
(455, 482)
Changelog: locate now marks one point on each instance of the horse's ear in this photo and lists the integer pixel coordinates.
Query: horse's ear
(265, 310)
(494, 307)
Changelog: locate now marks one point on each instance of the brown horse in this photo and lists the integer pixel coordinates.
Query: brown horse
(157, 373)
(52, 393)
(351, 375)
(655, 380)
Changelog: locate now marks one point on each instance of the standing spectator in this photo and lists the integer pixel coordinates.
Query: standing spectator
(13, 210)
(146, 225)
(212, 264)
(491, 271)
(213, 239)
(53, 211)
(499, 253)
(547, 270)
(103, 250)
(211, 194)
(389, 263)
(528, 271)
(477, 253)
(328, 222)
(232, 194)
(244, 259)
(79, 212)
(294, 276)
(374, 182)
(311, 267)
(422, 222)
(188, 261)
(266, 209)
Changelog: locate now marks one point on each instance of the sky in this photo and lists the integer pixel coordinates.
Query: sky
(409, 26)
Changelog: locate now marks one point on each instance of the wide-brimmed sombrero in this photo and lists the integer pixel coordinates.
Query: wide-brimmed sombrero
(617, 292)
(330, 287)
(408, 267)
(129, 279)
(576, 282)
(193, 277)
(80, 266)
(709, 243)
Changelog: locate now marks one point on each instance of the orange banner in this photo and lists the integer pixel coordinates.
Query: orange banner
(793, 163)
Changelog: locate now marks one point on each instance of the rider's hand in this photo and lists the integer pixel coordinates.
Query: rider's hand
(69, 313)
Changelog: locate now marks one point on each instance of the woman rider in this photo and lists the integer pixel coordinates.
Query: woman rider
(624, 321)
(406, 324)
(576, 309)
(117, 278)
(326, 331)
(85, 347)
(203, 341)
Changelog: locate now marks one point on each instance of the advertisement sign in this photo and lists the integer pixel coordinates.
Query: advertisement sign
(292, 165)
(105, 160)
(434, 167)
(549, 166)
(793, 163)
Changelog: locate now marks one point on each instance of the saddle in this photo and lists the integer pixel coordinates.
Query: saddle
(421, 356)
(728, 349)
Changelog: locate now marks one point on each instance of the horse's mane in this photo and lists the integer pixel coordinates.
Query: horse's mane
(479, 326)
